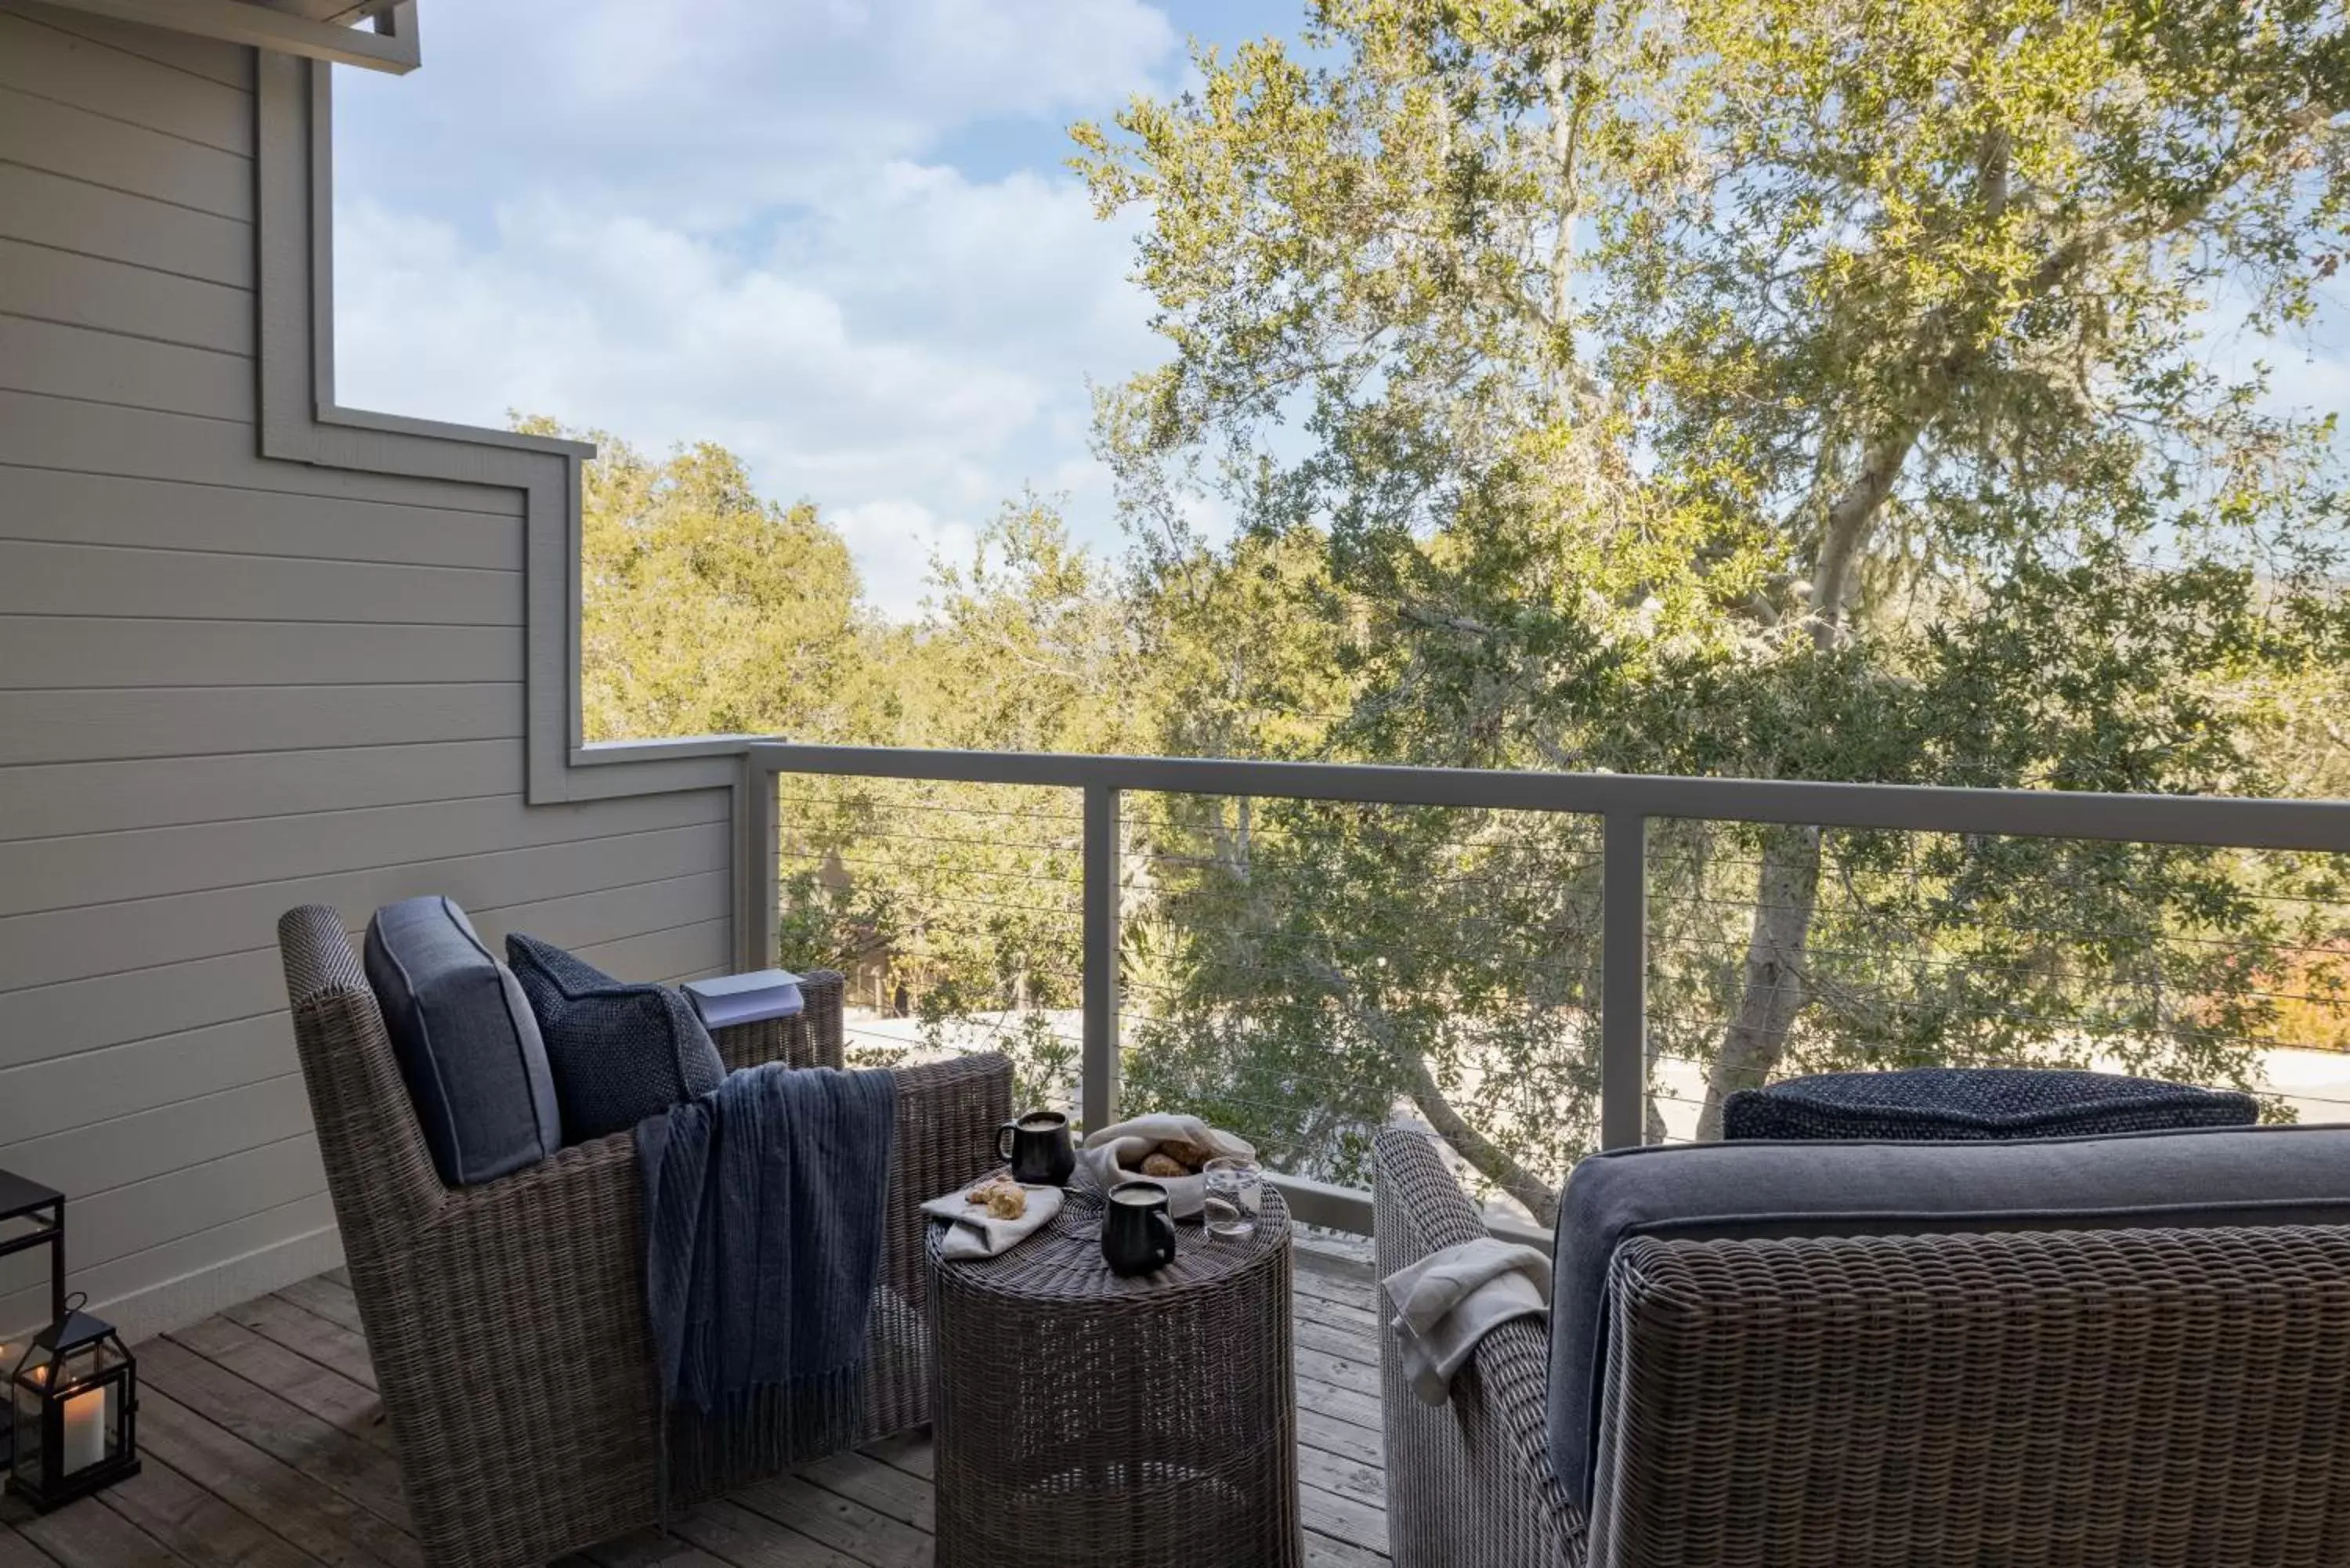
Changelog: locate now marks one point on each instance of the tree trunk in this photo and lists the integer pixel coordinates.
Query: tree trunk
(1787, 886)
(1786, 895)
(1652, 1123)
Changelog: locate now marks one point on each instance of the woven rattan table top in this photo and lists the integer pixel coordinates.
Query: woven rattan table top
(1062, 1261)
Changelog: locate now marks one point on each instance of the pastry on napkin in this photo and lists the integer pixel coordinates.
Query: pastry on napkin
(1118, 1153)
(977, 1231)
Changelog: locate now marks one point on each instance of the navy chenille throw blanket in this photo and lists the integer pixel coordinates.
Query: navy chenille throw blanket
(763, 1241)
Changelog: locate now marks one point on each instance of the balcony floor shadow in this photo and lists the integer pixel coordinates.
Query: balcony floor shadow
(265, 1447)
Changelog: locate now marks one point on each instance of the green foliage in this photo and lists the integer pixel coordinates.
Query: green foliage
(1782, 390)
(1820, 389)
(705, 609)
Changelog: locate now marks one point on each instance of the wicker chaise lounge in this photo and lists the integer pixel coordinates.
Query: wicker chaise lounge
(507, 1320)
(2094, 1397)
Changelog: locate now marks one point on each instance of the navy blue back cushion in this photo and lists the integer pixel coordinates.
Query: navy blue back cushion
(1946, 1103)
(466, 1040)
(620, 1052)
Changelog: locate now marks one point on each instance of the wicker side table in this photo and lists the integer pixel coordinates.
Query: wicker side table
(1086, 1420)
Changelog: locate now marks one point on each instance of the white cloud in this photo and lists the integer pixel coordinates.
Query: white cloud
(728, 225)
(732, 104)
(895, 541)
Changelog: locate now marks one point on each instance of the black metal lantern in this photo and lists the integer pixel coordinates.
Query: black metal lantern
(73, 1406)
(41, 1210)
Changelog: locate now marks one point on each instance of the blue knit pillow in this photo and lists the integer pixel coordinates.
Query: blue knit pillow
(1948, 1104)
(619, 1051)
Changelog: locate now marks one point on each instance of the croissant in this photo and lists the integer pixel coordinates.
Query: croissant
(1004, 1199)
(1193, 1157)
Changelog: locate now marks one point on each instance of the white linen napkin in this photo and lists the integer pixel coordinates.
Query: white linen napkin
(1452, 1298)
(1115, 1153)
(978, 1234)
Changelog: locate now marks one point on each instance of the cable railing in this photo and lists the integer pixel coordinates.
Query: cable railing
(1527, 967)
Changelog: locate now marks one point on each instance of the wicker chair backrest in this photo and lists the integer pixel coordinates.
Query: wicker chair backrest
(379, 1171)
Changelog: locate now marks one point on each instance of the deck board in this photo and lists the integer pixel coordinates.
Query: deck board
(266, 1448)
(198, 1526)
(294, 1506)
(316, 1388)
(15, 1551)
(305, 1333)
(94, 1536)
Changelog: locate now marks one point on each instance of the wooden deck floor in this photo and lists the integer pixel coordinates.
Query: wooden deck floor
(263, 1449)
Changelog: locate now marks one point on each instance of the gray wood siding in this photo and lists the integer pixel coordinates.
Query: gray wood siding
(100, 797)
(69, 508)
(82, 291)
(119, 580)
(229, 685)
(100, 366)
(98, 651)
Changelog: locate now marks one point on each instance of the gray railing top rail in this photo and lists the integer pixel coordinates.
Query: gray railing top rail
(1625, 802)
(2224, 821)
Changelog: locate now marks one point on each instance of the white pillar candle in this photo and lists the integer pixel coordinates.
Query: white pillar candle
(86, 1424)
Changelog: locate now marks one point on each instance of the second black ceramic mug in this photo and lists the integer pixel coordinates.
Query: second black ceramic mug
(1137, 1234)
(1037, 1147)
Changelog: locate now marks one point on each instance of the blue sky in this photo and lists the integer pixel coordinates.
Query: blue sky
(836, 235)
(833, 235)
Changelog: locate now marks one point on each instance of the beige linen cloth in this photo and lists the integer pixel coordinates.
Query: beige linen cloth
(1115, 1153)
(1452, 1298)
(974, 1232)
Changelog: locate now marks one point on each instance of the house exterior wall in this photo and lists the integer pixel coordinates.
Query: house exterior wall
(231, 683)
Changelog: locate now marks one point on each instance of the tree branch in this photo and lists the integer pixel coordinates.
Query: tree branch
(1948, 351)
(1498, 1166)
(1493, 1162)
(1439, 620)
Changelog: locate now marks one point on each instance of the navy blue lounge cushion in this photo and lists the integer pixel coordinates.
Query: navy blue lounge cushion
(1712, 1191)
(1952, 1102)
(620, 1052)
(467, 1041)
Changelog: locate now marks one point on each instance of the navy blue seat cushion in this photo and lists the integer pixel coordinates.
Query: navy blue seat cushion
(1951, 1103)
(2201, 1177)
(466, 1041)
(620, 1052)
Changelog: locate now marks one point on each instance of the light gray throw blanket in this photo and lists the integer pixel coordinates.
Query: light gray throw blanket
(763, 1242)
(1447, 1301)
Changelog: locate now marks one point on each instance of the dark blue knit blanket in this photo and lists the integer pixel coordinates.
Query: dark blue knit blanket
(763, 1242)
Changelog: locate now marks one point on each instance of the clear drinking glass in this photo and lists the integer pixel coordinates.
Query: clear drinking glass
(1235, 1193)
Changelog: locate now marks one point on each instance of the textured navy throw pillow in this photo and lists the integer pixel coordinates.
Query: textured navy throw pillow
(1951, 1104)
(619, 1051)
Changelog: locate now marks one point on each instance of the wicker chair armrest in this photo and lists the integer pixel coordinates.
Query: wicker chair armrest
(813, 1037)
(514, 1326)
(1469, 1481)
(583, 1206)
(573, 1202)
(948, 1113)
(947, 1116)
(2029, 1398)
(516, 1320)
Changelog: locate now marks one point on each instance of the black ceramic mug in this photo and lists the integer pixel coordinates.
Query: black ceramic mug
(1137, 1234)
(1037, 1149)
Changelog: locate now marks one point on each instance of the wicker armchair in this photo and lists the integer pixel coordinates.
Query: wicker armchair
(507, 1320)
(2112, 1398)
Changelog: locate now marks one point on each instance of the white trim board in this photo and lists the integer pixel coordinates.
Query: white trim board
(301, 421)
(388, 44)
